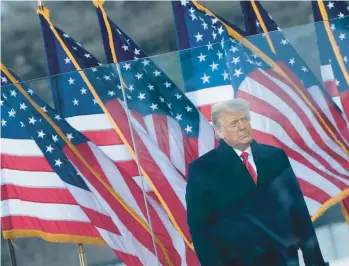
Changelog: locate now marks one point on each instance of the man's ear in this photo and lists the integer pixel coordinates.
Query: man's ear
(219, 133)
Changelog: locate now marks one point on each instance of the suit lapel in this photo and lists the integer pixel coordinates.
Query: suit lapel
(263, 161)
(234, 169)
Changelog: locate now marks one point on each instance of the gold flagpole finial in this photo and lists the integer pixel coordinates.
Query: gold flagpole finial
(40, 4)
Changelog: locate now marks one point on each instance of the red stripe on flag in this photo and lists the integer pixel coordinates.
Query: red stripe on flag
(162, 133)
(49, 226)
(41, 195)
(191, 148)
(331, 88)
(206, 111)
(25, 163)
(103, 137)
(101, 220)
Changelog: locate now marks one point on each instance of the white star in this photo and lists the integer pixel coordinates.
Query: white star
(193, 17)
(41, 134)
(169, 105)
(209, 46)
(179, 117)
(214, 20)
(333, 27)
(342, 36)
(49, 149)
(54, 138)
(259, 63)
(283, 41)
(139, 76)
(161, 99)
(220, 55)
(71, 81)
(70, 136)
(106, 77)
(214, 35)
(202, 57)
(75, 102)
(127, 66)
(131, 88)
(1, 102)
(188, 108)
(205, 79)
(198, 37)
(83, 91)
(3, 122)
(337, 82)
(87, 55)
(238, 72)
(154, 106)
(94, 101)
(233, 49)
(225, 75)
(75, 48)
(220, 30)
(120, 87)
(214, 66)
(57, 117)
(178, 96)
(330, 5)
(188, 129)
(340, 15)
(129, 97)
(137, 51)
(13, 93)
(58, 163)
(44, 109)
(141, 96)
(94, 69)
(292, 61)
(22, 124)
(345, 59)
(304, 69)
(157, 73)
(67, 60)
(184, 2)
(145, 62)
(65, 35)
(12, 113)
(167, 84)
(4, 79)
(32, 120)
(235, 60)
(125, 47)
(30, 91)
(151, 87)
(22, 106)
(204, 24)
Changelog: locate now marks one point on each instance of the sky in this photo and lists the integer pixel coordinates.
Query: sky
(151, 25)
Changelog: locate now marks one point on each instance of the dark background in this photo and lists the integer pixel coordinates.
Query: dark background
(151, 25)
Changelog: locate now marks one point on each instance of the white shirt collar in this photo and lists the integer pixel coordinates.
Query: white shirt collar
(248, 150)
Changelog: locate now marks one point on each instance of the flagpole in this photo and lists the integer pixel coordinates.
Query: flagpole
(12, 252)
(82, 257)
(137, 160)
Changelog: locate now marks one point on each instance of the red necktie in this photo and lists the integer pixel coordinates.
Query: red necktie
(249, 166)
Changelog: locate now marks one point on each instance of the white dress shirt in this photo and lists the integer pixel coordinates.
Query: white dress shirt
(249, 158)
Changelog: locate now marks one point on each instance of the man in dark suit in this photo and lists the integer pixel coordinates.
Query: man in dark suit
(225, 177)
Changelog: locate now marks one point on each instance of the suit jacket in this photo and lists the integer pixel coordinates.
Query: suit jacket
(218, 184)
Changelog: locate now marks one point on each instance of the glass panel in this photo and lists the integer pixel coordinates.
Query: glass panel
(167, 100)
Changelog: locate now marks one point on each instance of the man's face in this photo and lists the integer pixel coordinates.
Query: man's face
(235, 129)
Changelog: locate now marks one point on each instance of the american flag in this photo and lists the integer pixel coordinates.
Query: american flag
(50, 192)
(331, 26)
(282, 108)
(265, 25)
(72, 92)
